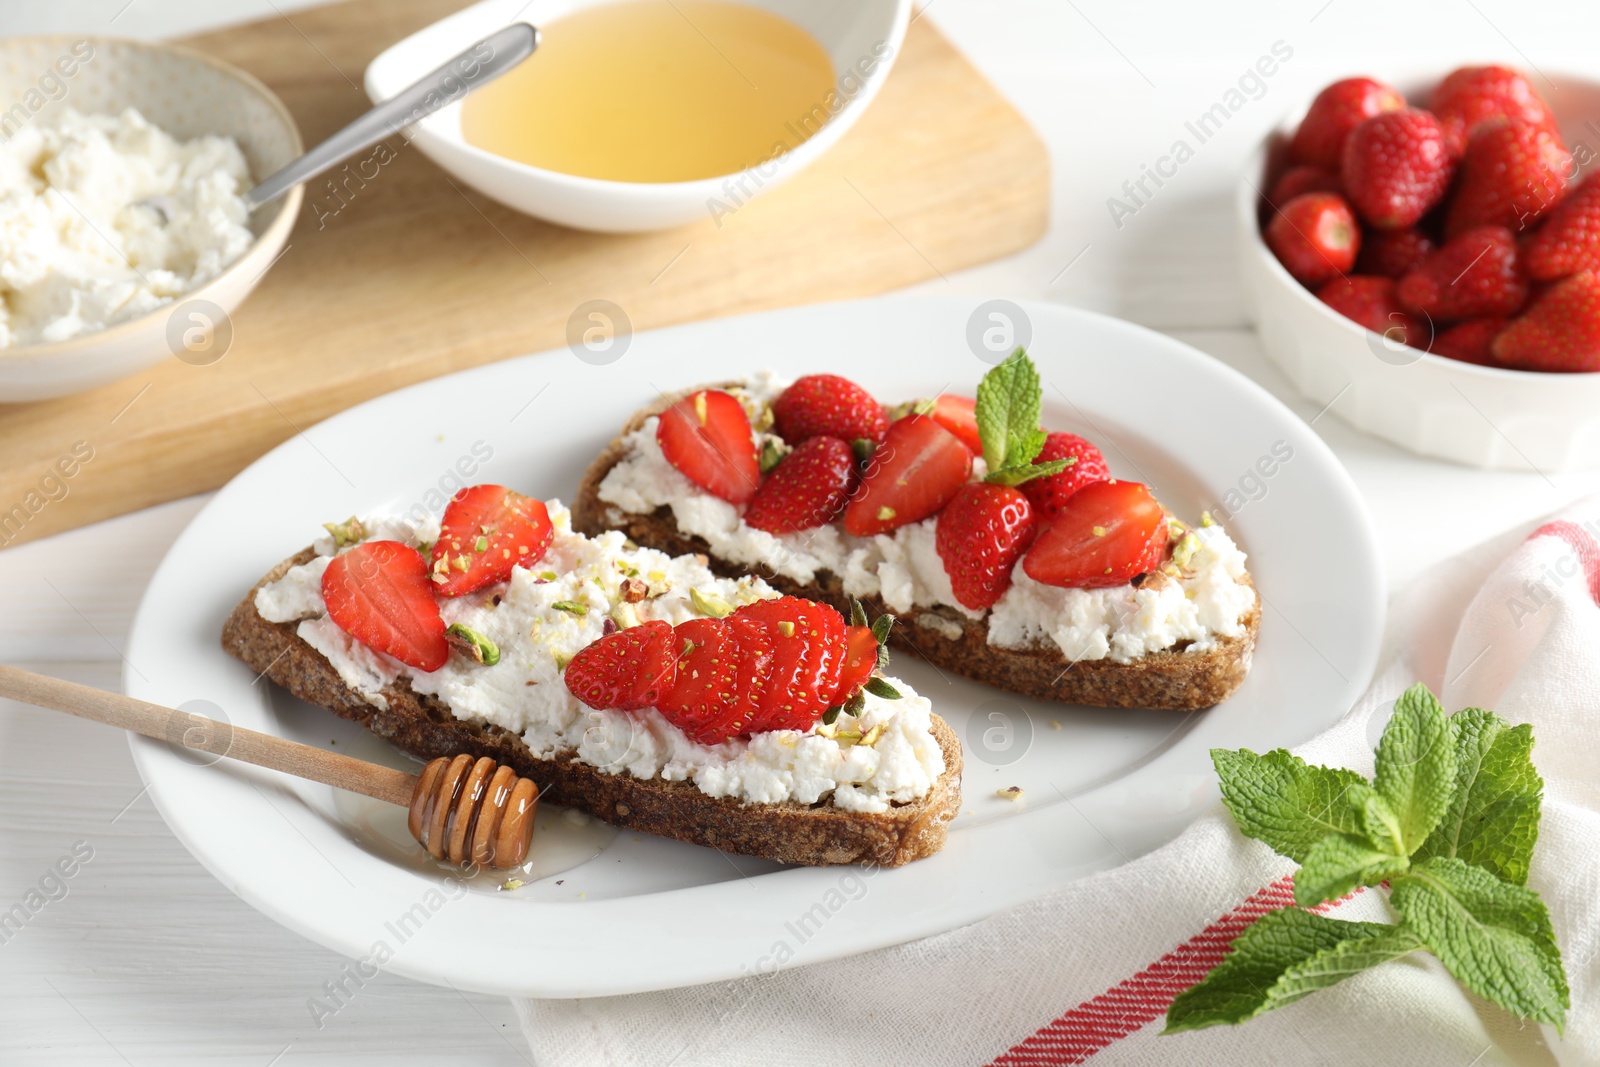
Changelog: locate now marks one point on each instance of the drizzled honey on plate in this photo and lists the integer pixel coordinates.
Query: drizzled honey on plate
(657, 91)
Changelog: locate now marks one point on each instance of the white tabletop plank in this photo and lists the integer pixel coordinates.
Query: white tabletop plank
(148, 959)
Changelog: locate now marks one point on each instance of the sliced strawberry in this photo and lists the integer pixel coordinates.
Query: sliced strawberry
(919, 467)
(628, 670)
(959, 415)
(379, 593)
(707, 436)
(755, 643)
(1088, 466)
(487, 530)
(828, 404)
(981, 534)
(860, 659)
(1105, 535)
(706, 683)
(807, 487)
(807, 656)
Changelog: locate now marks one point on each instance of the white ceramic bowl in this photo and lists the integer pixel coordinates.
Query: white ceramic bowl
(1479, 416)
(849, 33)
(188, 94)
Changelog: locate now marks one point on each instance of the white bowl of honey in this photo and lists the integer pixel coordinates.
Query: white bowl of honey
(645, 114)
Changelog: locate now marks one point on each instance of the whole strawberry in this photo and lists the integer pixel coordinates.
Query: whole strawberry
(1511, 174)
(1393, 253)
(1338, 109)
(1477, 273)
(828, 404)
(1471, 96)
(1559, 332)
(1302, 179)
(1370, 301)
(1470, 341)
(807, 488)
(980, 535)
(1396, 166)
(1315, 237)
(1085, 466)
(1569, 240)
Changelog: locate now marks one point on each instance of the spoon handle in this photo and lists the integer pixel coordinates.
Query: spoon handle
(198, 733)
(478, 65)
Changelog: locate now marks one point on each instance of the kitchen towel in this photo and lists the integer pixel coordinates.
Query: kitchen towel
(1085, 974)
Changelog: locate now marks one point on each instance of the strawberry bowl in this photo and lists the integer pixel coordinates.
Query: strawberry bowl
(1480, 415)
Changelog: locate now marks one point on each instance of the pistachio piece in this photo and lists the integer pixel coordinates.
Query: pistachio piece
(472, 644)
(709, 604)
(346, 533)
(571, 607)
(1010, 792)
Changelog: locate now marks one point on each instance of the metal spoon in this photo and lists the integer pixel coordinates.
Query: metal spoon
(476, 66)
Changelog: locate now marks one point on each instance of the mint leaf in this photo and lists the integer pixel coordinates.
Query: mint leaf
(1495, 937)
(1378, 821)
(1493, 819)
(1281, 957)
(1285, 802)
(1018, 475)
(1007, 410)
(1416, 770)
(1337, 864)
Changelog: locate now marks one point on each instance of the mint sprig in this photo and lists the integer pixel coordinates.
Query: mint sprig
(1448, 823)
(1007, 410)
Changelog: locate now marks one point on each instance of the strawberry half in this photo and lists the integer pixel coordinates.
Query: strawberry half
(831, 405)
(628, 670)
(806, 489)
(378, 592)
(959, 415)
(913, 473)
(487, 530)
(1106, 534)
(707, 436)
(980, 536)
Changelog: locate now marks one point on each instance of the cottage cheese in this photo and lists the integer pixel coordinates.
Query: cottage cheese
(526, 694)
(76, 256)
(1208, 602)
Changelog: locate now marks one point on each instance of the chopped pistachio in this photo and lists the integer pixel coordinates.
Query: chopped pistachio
(549, 576)
(346, 533)
(828, 730)
(460, 563)
(870, 738)
(472, 644)
(512, 883)
(571, 607)
(1010, 792)
(772, 452)
(1099, 531)
(785, 627)
(710, 604)
(1206, 519)
(624, 615)
(1183, 552)
(885, 514)
(481, 545)
(634, 590)
(700, 406)
(562, 659)
(657, 576)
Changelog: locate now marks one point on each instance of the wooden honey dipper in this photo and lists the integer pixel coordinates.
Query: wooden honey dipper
(471, 812)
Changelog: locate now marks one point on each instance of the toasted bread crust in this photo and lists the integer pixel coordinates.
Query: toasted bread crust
(817, 835)
(1171, 679)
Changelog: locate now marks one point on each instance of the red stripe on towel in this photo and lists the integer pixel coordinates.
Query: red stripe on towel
(1130, 1004)
(1583, 546)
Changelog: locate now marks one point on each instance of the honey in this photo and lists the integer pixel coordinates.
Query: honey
(657, 91)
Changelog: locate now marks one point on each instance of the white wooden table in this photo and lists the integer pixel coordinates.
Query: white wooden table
(147, 959)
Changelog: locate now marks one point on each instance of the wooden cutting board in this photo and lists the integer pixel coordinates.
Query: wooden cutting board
(415, 277)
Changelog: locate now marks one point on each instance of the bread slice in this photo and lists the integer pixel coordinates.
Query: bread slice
(1169, 679)
(814, 834)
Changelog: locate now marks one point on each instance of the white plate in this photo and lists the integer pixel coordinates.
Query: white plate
(649, 913)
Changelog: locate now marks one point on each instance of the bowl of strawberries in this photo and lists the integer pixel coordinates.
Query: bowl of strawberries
(1424, 258)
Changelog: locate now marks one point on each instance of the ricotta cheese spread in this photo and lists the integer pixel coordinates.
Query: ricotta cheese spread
(79, 252)
(525, 693)
(1207, 601)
